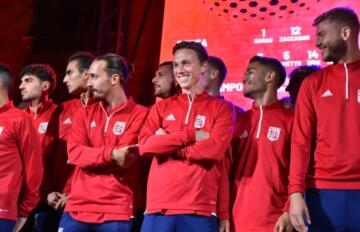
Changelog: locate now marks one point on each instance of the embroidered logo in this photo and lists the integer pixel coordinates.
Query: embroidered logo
(273, 133)
(42, 127)
(67, 121)
(244, 134)
(170, 117)
(1, 129)
(358, 96)
(327, 93)
(119, 128)
(93, 124)
(199, 121)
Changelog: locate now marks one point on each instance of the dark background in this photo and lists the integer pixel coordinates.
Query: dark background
(49, 31)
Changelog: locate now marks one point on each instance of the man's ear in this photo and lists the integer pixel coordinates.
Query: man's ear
(214, 73)
(86, 74)
(345, 33)
(115, 78)
(203, 68)
(45, 86)
(270, 76)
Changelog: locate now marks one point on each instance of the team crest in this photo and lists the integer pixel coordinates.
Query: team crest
(1, 129)
(273, 133)
(199, 121)
(119, 128)
(358, 96)
(42, 127)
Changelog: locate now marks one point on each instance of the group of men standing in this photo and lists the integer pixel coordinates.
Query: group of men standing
(83, 165)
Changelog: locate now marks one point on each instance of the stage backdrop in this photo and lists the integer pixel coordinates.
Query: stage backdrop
(236, 30)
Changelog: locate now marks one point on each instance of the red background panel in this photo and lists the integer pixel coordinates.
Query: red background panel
(237, 30)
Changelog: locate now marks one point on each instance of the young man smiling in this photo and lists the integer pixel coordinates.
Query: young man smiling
(187, 135)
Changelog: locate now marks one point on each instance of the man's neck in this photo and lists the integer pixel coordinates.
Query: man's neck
(4, 99)
(267, 98)
(36, 103)
(118, 97)
(352, 55)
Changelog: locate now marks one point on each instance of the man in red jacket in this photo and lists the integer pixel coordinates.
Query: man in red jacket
(215, 75)
(20, 162)
(325, 157)
(102, 147)
(77, 73)
(38, 81)
(187, 135)
(262, 155)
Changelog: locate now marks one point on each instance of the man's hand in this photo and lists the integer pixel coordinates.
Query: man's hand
(60, 205)
(201, 135)
(283, 224)
(53, 198)
(224, 226)
(20, 222)
(298, 209)
(125, 156)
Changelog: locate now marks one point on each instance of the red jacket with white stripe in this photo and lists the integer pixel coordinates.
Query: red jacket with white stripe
(325, 150)
(45, 121)
(184, 174)
(20, 164)
(62, 171)
(261, 165)
(99, 185)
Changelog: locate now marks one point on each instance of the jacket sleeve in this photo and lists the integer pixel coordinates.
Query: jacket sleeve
(79, 152)
(151, 144)
(213, 148)
(30, 151)
(302, 138)
(223, 206)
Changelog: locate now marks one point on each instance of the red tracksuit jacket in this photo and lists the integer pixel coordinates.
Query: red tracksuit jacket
(98, 184)
(261, 166)
(184, 175)
(45, 121)
(325, 150)
(62, 171)
(20, 164)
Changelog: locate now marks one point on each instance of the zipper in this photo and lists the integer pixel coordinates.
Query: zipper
(347, 82)
(189, 109)
(108, 117)
(259, 124)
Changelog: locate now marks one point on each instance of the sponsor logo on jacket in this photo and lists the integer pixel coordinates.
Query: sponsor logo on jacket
(67, 121)
(119, 128)
(43, 127)
(92, 124)
(170, 117)
(199, 121)
(1, 129)
(273, 133)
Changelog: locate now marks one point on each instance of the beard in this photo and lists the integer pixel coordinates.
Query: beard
(336, 51)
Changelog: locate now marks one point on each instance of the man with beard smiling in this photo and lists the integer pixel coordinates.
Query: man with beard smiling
(164, 81)
(187, 135)
(325, 157)
(261, 157)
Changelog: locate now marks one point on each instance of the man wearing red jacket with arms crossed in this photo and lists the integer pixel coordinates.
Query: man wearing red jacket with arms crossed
(325, 156)
(101, 146)
(188, 136)
(20, 161)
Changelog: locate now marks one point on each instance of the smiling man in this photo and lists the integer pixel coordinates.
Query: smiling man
(187, 135)
(164, 81)
(262, 155)
(325, 157)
